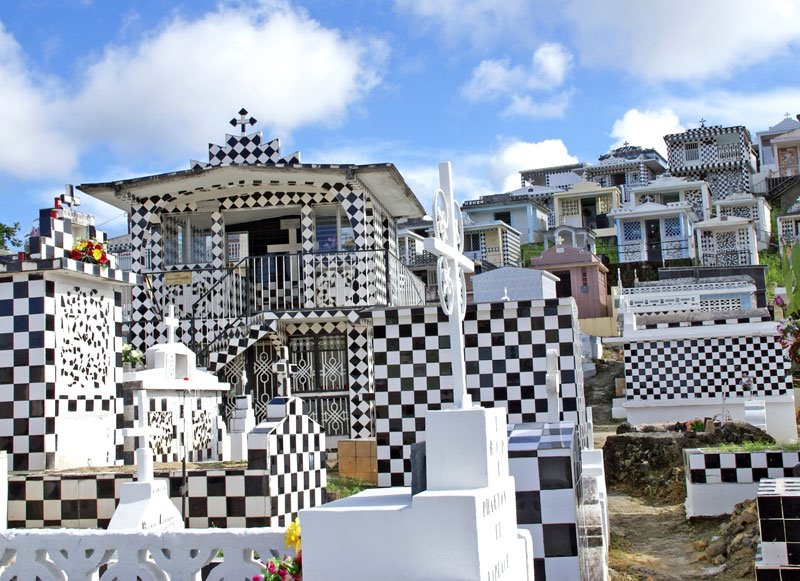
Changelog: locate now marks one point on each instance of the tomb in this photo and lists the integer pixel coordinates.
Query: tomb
(60, 344)
(463, 525)
(68, 409)
(183, 404)
(700, 348)
(778, 554)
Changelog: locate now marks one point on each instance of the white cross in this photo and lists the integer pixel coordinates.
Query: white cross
(448, 245)
(171, 323)
(284, 369)
(144, 456)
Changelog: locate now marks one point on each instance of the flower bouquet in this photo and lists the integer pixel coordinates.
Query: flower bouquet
(90, 251)
(131, 356)
(285, 568)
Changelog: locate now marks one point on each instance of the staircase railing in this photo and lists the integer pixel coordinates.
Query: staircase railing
(297, 281)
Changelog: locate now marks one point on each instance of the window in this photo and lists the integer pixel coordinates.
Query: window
(631, 231)
(691, 151)
(503, 217)
(333, 231)
(472, 242)
(321, 363)
(187, 238)
(670, 198)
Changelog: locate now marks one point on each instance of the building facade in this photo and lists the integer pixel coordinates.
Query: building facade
(256, 250)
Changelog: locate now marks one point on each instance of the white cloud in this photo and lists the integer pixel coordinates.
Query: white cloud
(495, 79)
(515, 156)
(756, 111)
(490, 172)
(34, 144)
(527, 106)
(684, 39)
(480, 23)
(182, 83)
(646, 128)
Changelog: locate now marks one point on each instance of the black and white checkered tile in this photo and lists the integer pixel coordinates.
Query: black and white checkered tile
(216, 498)
(705, 367)
(506, 365)
(544, 460)
(778, 555)
(725, 176)
(738, 467)
(58, 358)
(295, 479)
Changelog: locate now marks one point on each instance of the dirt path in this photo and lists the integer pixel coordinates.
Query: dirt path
(655, 541)
(649, 540)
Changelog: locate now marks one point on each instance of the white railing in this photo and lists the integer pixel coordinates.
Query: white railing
(652, 304)
(61, 554)
(689, 288)
(728, 151)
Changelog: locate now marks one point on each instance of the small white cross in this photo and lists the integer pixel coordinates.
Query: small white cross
(171, 323)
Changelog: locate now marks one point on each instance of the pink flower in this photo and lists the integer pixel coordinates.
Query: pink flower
(779, 301)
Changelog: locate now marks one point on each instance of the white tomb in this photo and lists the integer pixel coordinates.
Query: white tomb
(183, 400)
(464, 525)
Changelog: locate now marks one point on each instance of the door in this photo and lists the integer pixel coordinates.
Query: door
(564, 285)
(653, 238)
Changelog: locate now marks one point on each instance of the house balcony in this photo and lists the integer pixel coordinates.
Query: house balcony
(642, 251)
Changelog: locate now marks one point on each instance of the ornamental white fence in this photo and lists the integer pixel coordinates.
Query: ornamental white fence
(71, 554)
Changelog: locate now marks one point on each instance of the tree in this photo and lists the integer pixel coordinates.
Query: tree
(8, 236)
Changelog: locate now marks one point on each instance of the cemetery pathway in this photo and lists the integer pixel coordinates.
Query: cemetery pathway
(650, 540)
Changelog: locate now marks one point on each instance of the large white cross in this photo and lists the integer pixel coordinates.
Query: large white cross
(171, 323)
(448, 245)
(284, 369)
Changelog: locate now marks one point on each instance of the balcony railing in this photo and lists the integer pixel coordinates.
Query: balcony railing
(727, 258)
(641, 251)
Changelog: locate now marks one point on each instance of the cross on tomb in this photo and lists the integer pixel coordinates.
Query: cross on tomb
(702, 122)
(144, 456)
(284, 369)
(448, 245)
(243, 121)
(172, 323)
(68, 198)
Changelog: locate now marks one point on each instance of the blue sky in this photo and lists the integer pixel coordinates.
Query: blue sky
(97, 90)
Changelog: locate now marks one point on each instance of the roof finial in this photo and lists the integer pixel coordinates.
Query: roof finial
(702, 122)
(786, 115)
(243, 120)
(625, 143)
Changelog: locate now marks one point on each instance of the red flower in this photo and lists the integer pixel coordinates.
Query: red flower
(75, 255)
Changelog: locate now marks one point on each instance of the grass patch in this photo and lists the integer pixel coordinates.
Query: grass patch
(342, 487)
(756, 447)
(772, 259)
(530, 250)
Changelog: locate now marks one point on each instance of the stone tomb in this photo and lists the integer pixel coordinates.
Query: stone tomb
(463, 526)
(60, 344)
(183, 404)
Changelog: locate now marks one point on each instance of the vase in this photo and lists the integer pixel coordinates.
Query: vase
(127, 367)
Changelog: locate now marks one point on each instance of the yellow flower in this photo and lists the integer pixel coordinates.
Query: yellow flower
(293, 536)
(97, 253)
